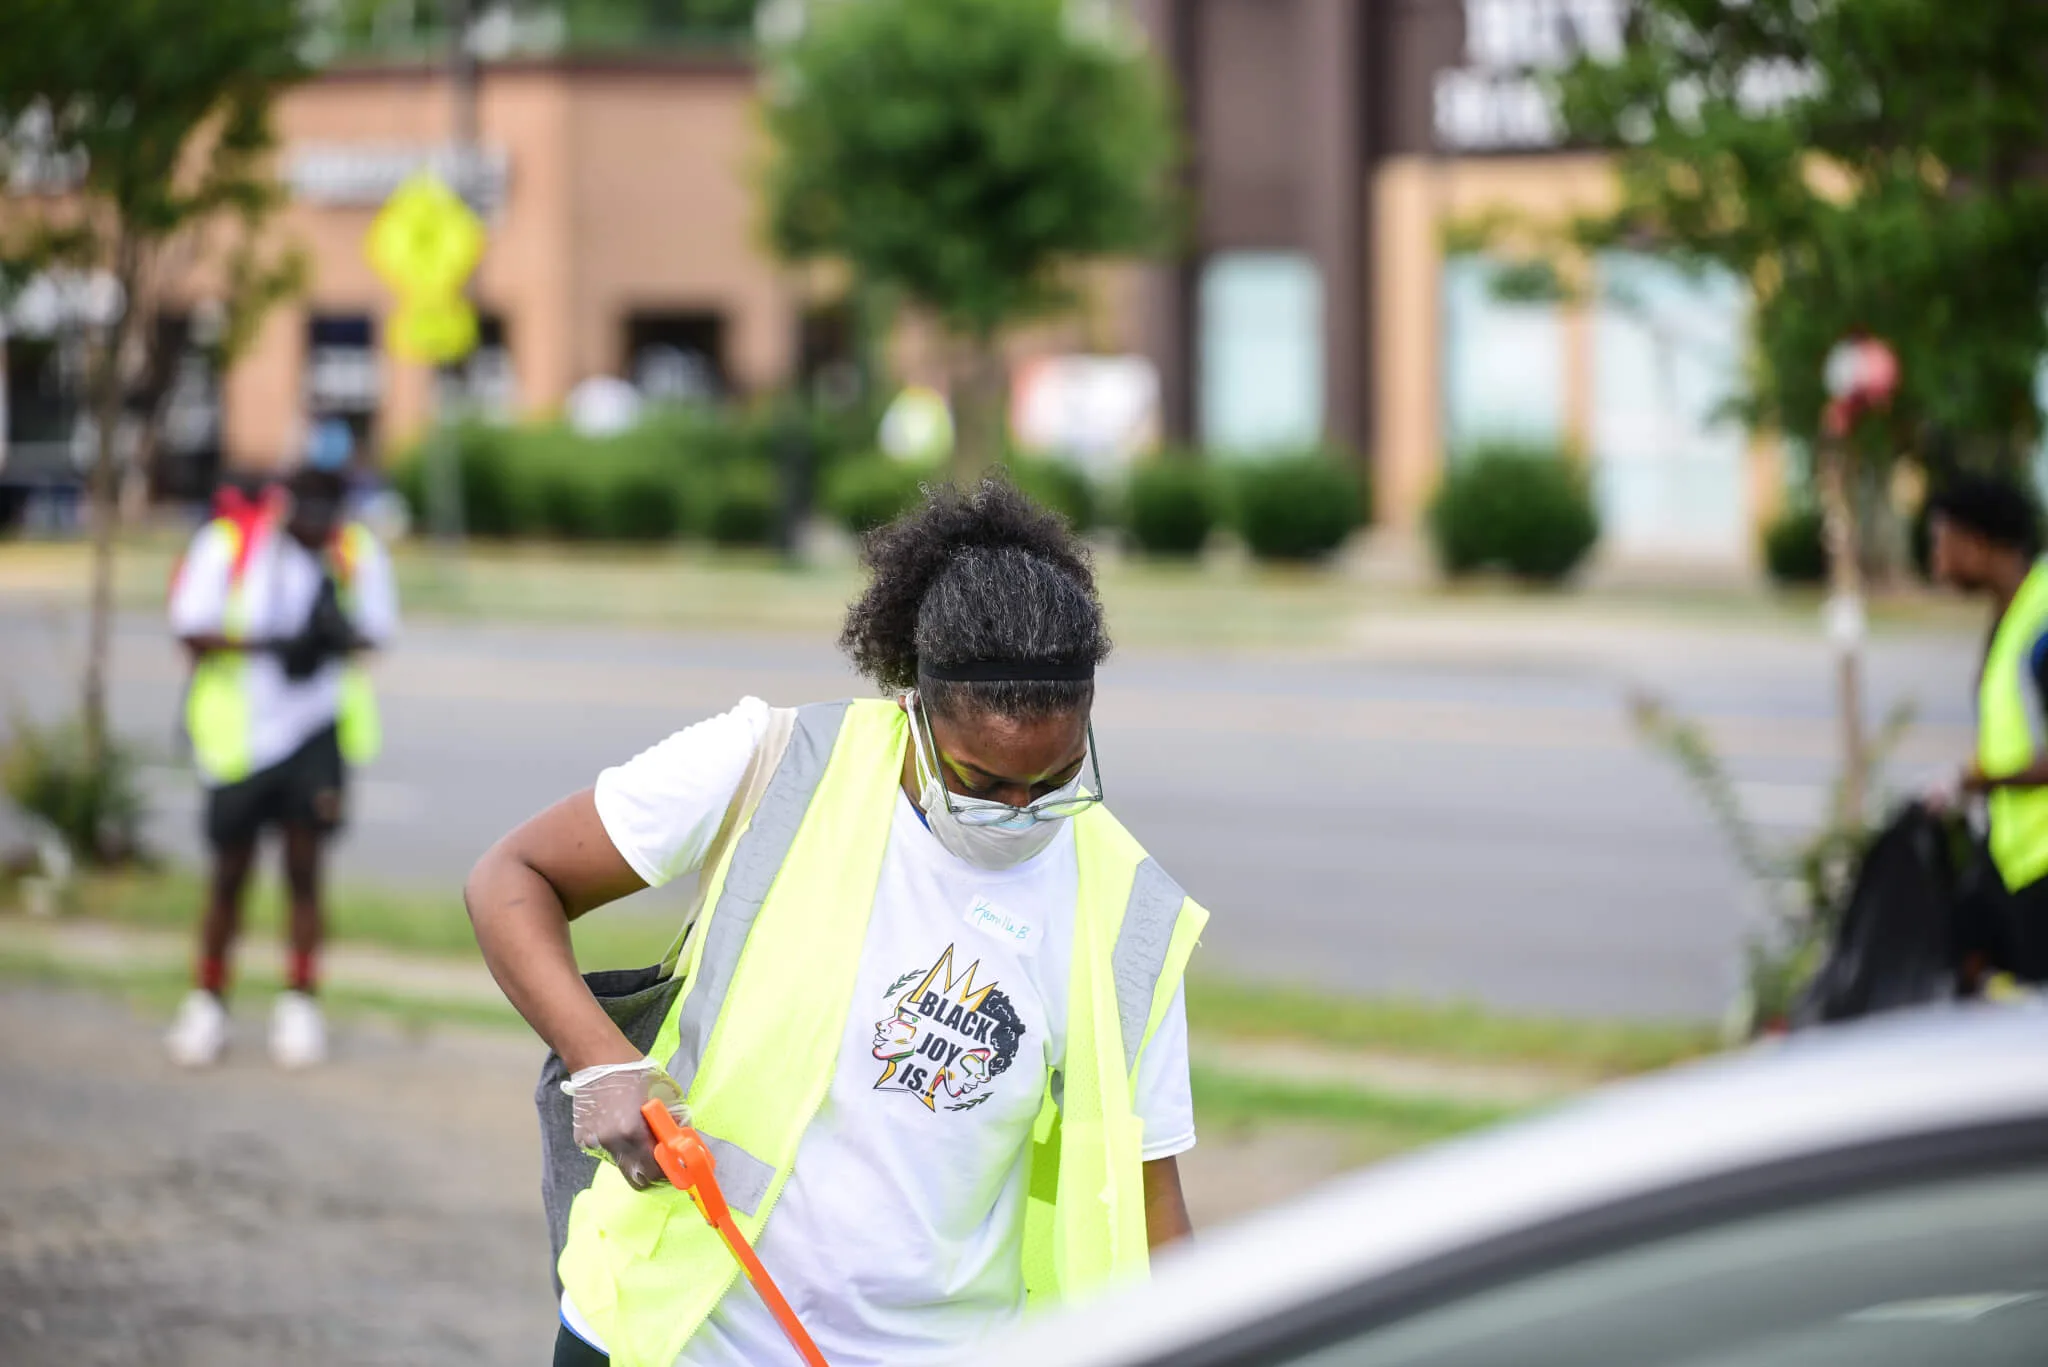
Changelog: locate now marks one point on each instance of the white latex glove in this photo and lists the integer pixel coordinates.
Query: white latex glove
(608, 1123)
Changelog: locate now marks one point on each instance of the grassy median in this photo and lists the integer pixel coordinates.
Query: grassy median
(1385, 1075)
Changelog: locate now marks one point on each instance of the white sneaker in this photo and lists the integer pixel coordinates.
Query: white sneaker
(199, 1036)
(298, 1036)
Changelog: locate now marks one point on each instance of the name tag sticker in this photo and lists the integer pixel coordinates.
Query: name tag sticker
(993, 920)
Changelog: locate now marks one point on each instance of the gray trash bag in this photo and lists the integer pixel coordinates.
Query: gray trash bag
(637, 1000)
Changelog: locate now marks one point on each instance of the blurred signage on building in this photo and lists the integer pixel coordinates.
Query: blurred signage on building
(1101, 412)
(365, 175)
(1496, 101)
(34, 161)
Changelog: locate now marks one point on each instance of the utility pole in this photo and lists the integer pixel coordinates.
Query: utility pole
(451, 388)
(1861, 375)
(462, 78)
(1845, 621)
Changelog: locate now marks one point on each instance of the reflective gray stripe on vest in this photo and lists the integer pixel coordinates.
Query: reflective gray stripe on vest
(756, 859)
(743, 1178)
(1141, 945)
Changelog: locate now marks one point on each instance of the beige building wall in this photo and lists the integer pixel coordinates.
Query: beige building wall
(665, 214)
(1416, 198)
(629, 187)
(632, 187)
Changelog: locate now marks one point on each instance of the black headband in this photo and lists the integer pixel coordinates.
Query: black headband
(1009, 671)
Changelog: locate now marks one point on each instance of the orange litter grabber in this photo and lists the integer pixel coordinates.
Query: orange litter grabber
(687, 1161)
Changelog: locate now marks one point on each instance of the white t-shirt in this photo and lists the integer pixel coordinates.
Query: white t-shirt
(280, 584)
(899, 1235)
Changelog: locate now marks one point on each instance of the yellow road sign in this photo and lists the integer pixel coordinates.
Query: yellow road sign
(433, 331)
(425, 241)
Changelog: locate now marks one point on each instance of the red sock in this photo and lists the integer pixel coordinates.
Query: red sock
(213, 974)
(303, 975)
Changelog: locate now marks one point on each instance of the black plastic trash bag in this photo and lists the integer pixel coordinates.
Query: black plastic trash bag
(1895, 944)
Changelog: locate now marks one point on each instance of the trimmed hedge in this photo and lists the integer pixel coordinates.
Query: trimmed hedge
(1056, 485)
(1298, 507)
(1527, 510)
(745, 502)
(672, 476)
(647, 506)
(1170, 506)
(1795, 547)
(863, 494)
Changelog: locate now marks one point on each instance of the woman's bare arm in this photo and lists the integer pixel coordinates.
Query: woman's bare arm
(1166, 1210)
(522, 895)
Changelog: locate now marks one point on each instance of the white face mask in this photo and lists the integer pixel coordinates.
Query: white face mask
(1000, 845)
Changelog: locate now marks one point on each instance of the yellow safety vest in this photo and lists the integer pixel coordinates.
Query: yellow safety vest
(789, 904)
(217, 714)
(2010, 734)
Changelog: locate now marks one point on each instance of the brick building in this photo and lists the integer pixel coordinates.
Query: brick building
(1336, 146)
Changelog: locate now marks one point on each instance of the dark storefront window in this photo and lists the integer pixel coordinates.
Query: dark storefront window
(184, 393)
(677, 357)
(828, 355)
(342, 378)
(39, 470)
(41, 405)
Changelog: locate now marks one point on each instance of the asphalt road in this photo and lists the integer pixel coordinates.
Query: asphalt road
(1447, 807)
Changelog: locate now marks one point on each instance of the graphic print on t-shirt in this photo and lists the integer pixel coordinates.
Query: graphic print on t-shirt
(949, 1037)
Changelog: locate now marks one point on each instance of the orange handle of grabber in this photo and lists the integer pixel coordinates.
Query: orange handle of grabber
(688, 1163)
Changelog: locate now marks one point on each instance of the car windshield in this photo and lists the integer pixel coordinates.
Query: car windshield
(1947, 1275)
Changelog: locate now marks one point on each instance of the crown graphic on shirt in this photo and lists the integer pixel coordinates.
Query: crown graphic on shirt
(960, 989)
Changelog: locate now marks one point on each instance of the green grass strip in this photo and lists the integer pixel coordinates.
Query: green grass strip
(1225, 1101)
(1230, 1098)
(410, 922)
(157, 988)
(1219, 1006)
(622, 937)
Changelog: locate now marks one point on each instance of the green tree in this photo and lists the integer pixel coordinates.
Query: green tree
(1870, 167)
(149, 124)
(968, 155)
(415, 28)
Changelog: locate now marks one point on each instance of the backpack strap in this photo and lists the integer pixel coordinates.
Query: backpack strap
(761, 768)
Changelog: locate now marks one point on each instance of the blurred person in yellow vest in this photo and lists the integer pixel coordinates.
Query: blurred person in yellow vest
(929, 1015)
(276, 601)
(1986, 540)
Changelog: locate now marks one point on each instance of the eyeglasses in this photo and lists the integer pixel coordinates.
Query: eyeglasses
(984, 812)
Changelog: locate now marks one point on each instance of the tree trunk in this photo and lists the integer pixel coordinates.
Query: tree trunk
(1845, 623)
(104, 489)
(979, 411)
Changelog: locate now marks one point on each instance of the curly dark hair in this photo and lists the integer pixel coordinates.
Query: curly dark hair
(971, 577)
(1005, 1035)
(1999, 510)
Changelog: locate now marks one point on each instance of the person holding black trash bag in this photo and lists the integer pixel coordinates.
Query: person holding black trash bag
(1986, 540)
(276, 601)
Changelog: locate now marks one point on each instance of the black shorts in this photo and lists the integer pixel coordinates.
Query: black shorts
(308, 787)
(2008, 930)
(571, 1351)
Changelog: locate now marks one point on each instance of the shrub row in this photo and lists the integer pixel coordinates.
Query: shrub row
(1292, 508)
(1523, 509)
(682, 474)
(1795, 549)
(1526, 511)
